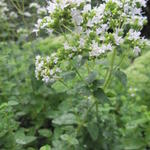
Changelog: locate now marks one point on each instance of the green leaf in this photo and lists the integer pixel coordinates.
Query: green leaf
(133, 143)
(68, 75)
(93, 130)
(46, 147)
(70, 139)
(122, 77)
(22, 139)
(100, 95)
(80, 88)
(12, 103)
(78, 62)
(45, 132)
(65, 119)
(91, 77)
(3, 105)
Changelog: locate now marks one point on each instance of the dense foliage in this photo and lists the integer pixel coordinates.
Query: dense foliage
(87, 99)
(17, 18)
(35, 105)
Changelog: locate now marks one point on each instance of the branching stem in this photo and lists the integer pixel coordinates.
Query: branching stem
(110, 70)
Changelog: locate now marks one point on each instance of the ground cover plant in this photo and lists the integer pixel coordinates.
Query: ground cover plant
(85, 87)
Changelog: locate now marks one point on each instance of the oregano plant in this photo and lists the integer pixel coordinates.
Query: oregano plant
(97, 40)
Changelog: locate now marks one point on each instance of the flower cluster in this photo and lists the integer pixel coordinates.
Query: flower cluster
(40, 10)
(3, 9)
(46, 68)
(95, 31)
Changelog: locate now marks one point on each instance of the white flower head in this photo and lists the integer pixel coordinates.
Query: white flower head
(86, 8)
(66, 46)
(81, 42)
(76, 16)
(34, 5)
(134, 35)
(136, 51)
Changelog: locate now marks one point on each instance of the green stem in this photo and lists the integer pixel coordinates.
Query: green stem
(96, 105)
(121, 61)
(110, 70)
(63, 83)
(67, 28)
(15, 6)
(83, 122)
(87, 66)
(106, 74)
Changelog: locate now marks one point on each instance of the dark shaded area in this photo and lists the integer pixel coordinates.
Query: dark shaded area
(146, 29)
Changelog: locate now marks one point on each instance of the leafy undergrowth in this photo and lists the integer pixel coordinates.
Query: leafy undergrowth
(42, 115)
(139, 78)
(33, 100)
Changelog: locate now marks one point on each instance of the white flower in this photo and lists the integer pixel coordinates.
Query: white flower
(78, 29)
(37, 75)
(70, 55)
(58, 70)
(27, 14)
(37, 26)
(90, 23)
(76, 16)
(74, 49)
(48, 59)
(88, 32)
(51, 72)
(63, 4)
(86, 8)
(142, 2)
(98, 31)
(39, 65)
(95, 20)
(81, 43)
(100, 10)
(109, 47)
(55, 60)
(132, 95)
(136, 11)
(80, 57)
(134, 35)
(38, 57)
(13, 15)
(102, 38)
(34, 5)
(41, 10)
(48, 19)
(139, 19)
(126, 8)
(51, 7)
(118, 39)
(46, 79)
(95, 49)
(103, 28)
(66, 46)
(136, 51)
(78, 2)
(49, 31)
(35, 30)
